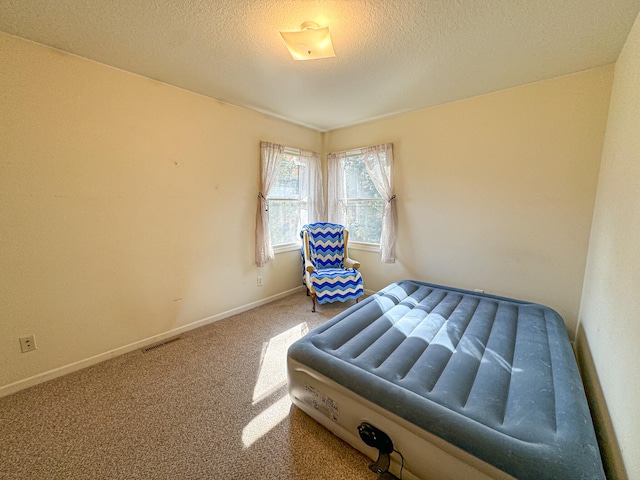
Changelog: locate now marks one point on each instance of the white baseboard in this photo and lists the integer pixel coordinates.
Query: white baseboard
(87, 362)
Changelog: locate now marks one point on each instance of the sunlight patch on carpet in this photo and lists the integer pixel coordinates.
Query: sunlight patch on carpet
(273, 362)
(266, 421)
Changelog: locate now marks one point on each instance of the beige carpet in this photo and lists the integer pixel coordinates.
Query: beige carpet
(212, 405)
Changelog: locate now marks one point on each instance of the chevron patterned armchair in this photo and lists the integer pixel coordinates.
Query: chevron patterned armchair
(329, 274)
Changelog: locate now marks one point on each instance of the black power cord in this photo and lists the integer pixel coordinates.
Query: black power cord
(376, 438)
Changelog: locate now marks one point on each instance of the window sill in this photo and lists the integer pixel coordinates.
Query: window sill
(291, 247)
(367, 247)
(287, 247)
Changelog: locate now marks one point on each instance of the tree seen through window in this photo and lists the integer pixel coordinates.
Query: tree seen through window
(364, 203)
(287, 201)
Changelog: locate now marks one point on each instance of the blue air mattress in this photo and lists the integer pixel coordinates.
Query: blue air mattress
(494, 377)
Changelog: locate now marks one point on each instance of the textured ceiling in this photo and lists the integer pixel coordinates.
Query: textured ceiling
(391, 56)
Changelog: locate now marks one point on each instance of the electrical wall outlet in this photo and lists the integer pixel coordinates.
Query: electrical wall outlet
(28, 344)
(259, 281)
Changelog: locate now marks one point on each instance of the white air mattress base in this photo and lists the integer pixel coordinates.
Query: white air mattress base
(426, 457)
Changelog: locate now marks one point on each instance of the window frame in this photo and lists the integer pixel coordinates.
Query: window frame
(355, 244)
(293, 245)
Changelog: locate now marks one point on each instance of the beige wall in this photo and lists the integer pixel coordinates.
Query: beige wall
(127, 209)
(496, 192)
(128, 206)
(610, 310)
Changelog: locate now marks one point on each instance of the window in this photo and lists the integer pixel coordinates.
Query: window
(290, 195)
(288, 200)
(364, 205)
(361, 196)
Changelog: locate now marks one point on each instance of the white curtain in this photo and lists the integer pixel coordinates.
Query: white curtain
(336, 189)
(378, 161)
(315, 196)
(270, 155)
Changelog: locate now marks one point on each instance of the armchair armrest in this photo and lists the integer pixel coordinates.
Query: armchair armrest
(350, 263)
(308, 266)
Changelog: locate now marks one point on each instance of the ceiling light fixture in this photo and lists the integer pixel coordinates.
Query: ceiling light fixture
(309, 42)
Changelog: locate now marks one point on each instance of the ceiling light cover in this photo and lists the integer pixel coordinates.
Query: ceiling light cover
(309, 42)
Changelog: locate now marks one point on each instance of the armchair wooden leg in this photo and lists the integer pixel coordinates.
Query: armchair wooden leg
(313, 299)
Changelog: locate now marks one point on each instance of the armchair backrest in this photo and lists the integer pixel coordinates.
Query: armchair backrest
(326, 244)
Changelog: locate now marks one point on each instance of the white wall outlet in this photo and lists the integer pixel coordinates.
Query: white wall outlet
(259, 281)
(28, 343)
